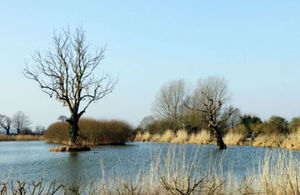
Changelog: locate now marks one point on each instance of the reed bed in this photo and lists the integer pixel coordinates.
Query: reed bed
(290, 141)
(202, 137)
(179, 174)
(180, 137)
(21, 137)
(232, 139)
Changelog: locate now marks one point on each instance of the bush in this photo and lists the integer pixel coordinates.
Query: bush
(275, 125)
(159, 126)
(250, 122)
(294, 124)
(239, 129)
(91, 132)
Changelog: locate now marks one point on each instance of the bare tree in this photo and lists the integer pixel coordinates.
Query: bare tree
(62, 118)
(234, 119)
(67, 72)
(146, 121)
(169, 102)
(212, 95)
(20, 121)
(39, 130)
(5, 123)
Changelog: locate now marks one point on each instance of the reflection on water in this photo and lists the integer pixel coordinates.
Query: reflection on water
(31, 160)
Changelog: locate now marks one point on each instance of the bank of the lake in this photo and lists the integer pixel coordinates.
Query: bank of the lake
(288, 141)
(4, 137)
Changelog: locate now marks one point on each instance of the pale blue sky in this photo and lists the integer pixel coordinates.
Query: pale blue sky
(255, 45)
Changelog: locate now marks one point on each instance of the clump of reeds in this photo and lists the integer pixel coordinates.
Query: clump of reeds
(91, 132)
(167, 136)
(292, 142)
(181, 137)
(21, 137)
(155, 138)
(269, 140)
(234, 138)
(202, 137)
(278, 173)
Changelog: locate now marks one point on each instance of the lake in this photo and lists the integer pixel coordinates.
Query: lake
(31, 160)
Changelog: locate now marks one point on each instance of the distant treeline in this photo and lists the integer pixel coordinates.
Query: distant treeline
(19, 124)
(249, 125)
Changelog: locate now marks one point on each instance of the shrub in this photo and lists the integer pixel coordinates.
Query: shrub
(239, 129)
(159, 126)
(250, 122)
(91, 132)
(57, 133)
(275, 125)
(294, 124)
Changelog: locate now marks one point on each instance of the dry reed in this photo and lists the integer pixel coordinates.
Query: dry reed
(181, 137)
(202, 137)
(292, 142)
(233, 139)
(21, 137)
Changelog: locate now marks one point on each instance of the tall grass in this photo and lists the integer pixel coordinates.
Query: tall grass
(179, 173)
(202, 137)
(21, 137)
(91, 132)
(292, 141)
(167, 136)
(180, 137)
(233, 138)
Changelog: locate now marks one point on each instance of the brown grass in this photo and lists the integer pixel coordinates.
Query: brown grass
(91, 132)
(167, 136)
(269, 140)
(292, 142)
(21, 137)
(233, 139)
(181, 137)
(202, 137)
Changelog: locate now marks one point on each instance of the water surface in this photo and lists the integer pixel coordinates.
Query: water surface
(32, 161)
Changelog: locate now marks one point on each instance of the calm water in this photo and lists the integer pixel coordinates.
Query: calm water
(31, 160)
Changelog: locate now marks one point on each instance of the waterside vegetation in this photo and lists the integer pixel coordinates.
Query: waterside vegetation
(174, 173)
(288, 141)
(20, 137)
(92, 132)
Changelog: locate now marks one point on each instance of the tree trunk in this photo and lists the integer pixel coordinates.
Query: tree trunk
(73, 129)
(7, 131)
(18, 131)
(220, 142)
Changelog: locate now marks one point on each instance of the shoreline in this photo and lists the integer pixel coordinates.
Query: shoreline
(289, 142)
(21, 138)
